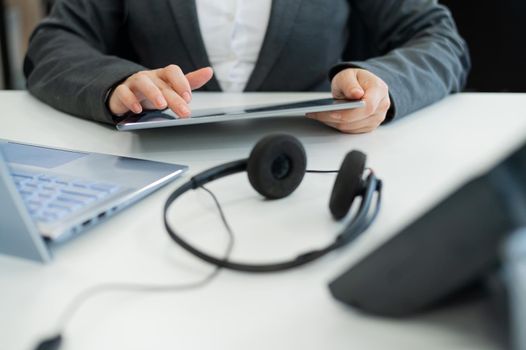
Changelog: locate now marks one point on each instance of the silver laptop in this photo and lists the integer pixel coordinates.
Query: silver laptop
(50, 195)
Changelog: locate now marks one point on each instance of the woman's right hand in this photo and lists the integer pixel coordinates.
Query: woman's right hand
(161, 88)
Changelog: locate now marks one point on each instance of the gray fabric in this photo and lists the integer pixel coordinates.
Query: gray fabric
(86, 47)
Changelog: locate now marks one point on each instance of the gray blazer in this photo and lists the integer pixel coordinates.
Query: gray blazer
(85, 47)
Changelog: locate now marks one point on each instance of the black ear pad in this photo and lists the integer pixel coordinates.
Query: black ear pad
(348, 184)
(277, 165)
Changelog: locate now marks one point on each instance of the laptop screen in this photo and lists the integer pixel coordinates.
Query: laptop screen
(37, 156)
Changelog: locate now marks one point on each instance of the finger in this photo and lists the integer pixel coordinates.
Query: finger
(343, 129)
(144, 85)
(361, 126)
(344, 116)
(326, 117)
(347, 86)
(175, 102)
(174, 76)
(127, 100)
(116, 106)
(199, 77)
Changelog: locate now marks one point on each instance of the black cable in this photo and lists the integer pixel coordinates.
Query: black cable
(54, 342)
(223, 217)
(323, 171)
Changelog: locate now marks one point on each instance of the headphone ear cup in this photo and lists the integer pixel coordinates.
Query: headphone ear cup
(348, 184)
(277, 165)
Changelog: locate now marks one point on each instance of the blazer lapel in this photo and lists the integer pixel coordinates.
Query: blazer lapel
(185, 14)
(282, 20)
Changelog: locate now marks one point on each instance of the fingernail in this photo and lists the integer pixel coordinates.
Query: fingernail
(185, 111)
(187, 97)
(136, 108)
(336, 116)
(161, 102)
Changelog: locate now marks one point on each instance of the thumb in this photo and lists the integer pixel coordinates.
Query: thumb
(345, 85)
(199, 77)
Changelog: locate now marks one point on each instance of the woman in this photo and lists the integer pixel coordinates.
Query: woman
(103, 58)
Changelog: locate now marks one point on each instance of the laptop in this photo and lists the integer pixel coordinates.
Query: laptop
(48, 195)
(160, 119)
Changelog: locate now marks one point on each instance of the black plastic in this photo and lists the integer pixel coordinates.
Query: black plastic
(276, 166)
(50, 343)
(348, 184)
(448, 248)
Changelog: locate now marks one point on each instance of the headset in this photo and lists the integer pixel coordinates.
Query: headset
(276, 166)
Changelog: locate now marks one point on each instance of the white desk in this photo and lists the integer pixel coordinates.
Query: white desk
(420, 158)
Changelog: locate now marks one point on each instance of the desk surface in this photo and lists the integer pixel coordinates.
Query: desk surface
(421, 158)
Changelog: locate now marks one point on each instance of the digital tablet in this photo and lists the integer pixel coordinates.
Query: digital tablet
(166, 118)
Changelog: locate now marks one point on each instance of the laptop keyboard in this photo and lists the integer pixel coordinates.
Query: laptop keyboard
(52, 198)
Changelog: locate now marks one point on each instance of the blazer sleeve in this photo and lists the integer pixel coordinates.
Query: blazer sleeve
(422, 57)
(71, 62)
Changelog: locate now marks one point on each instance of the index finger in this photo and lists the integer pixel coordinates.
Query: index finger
(175, 78)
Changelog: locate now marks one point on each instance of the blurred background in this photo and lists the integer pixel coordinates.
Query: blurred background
(494, 30)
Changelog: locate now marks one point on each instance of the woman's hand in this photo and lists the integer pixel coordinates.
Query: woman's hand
(158, 89)
(354, 84)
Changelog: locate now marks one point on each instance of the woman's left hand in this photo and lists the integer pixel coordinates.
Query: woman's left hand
(355, 84)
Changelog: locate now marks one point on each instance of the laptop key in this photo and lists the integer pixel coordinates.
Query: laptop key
(46, 178)
(81, 184)
(59, 206)
(32, 185)
(24, 191)
(70, 201)
(20, 182)
(61, 182)
(46, 195)
(49, 187)
(35, 203)
(27, 195)
(22, 175)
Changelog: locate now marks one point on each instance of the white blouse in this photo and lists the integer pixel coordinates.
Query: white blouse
(233, 33)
